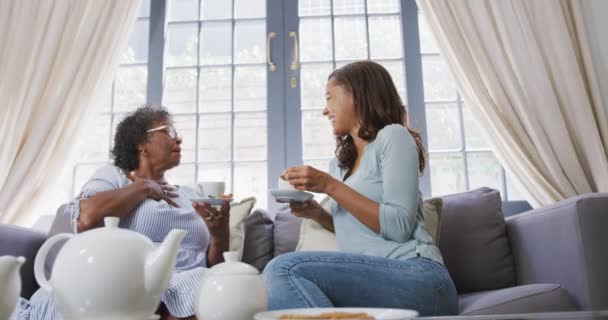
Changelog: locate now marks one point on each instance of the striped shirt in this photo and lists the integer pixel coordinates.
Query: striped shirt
(154, 219)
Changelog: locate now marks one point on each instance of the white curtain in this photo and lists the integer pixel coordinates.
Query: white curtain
(525, 70)
(56, 58)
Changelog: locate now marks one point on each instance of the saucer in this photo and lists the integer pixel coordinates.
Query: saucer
(215, 201)
(283, 195)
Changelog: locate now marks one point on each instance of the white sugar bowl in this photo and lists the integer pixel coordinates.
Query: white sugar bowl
(231, 290)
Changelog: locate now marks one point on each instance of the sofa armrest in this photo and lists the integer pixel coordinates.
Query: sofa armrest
(18, 241)
(563, 243)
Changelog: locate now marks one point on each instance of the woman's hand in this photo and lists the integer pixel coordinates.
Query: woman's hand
(308, 178)
(218, 221)
(157, 191)
(309, 209)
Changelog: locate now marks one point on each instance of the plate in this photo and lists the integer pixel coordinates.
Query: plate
(282, 195)
(377, 313)
(211, 201)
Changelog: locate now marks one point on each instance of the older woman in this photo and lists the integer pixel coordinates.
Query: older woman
(134, 189)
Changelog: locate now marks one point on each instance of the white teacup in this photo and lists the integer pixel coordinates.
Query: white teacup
(285, 185)
(211, 188)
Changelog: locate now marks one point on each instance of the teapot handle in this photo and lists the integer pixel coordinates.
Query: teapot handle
(41, 259)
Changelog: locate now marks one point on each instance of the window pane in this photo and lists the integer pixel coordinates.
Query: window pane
(137, 48)
(250, 179)
(484, 171)
(313, 7)
(396, 68)
(186, 129)
(215, 172)
(250, 41)
(385, 37)
(349, 7)
(182, 175)
(180, 90)
(182, 43)
(250, 9)
(144, 9)
(250, 88)
(447, 173)
(428, 44)
(514, 189)
(313, 81)
(350, 39)
(474, 136)
(215, 137)
(216, 43)
(317, 135)
(438, 83)
(443, 126)
(130, 88)
(216, 9)
(180, 10)
(215, 89)
(315, 40)
(250, 136)
(95, 145)
(382, 6)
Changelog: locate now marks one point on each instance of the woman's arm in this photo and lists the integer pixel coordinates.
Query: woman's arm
(117, 202)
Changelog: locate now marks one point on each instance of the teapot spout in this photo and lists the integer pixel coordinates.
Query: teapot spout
(161, 262)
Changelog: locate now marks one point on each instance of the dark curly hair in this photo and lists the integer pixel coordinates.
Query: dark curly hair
(377, 104)
(131, 132)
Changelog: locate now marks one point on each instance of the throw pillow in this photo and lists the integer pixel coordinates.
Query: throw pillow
(431, 210)
(258, 248)
(474, 242)
(313, 237)
(286, 230)
(239, 211)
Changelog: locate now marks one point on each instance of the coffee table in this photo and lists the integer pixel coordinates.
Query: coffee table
(575, 315)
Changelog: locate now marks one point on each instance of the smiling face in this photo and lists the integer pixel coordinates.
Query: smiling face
(340, 109)
(163, 147)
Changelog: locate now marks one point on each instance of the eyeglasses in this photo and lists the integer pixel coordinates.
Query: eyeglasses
(168, 129)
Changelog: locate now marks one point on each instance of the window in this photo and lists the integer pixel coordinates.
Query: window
(242, 122)
(460, 159)
(332, 34)
(127, 93)
(215, 86)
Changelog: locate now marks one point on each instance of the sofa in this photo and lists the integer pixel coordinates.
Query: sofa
(543, 260)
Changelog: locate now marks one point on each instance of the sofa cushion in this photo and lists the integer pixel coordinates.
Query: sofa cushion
(239, 211)
(313, 237)
(18, 241)
(474, 242)
(530, 298)
(286, 230)
(258, 249)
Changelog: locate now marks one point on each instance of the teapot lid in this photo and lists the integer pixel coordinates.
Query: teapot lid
(232, 266)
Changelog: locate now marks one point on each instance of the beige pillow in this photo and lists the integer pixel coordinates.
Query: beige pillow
(313, 237)
(239, 211)
(431, 210)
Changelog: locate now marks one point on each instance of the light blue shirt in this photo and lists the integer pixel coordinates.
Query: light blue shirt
(387, 174)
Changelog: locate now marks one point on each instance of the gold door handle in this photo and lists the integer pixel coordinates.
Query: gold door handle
(271, 65)
(296, 50)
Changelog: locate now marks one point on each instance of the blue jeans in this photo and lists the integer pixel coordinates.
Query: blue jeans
(335, 279)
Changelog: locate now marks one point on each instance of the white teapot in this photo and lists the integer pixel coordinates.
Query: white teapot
(231, 290)
(108, 273)
(10, 281)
